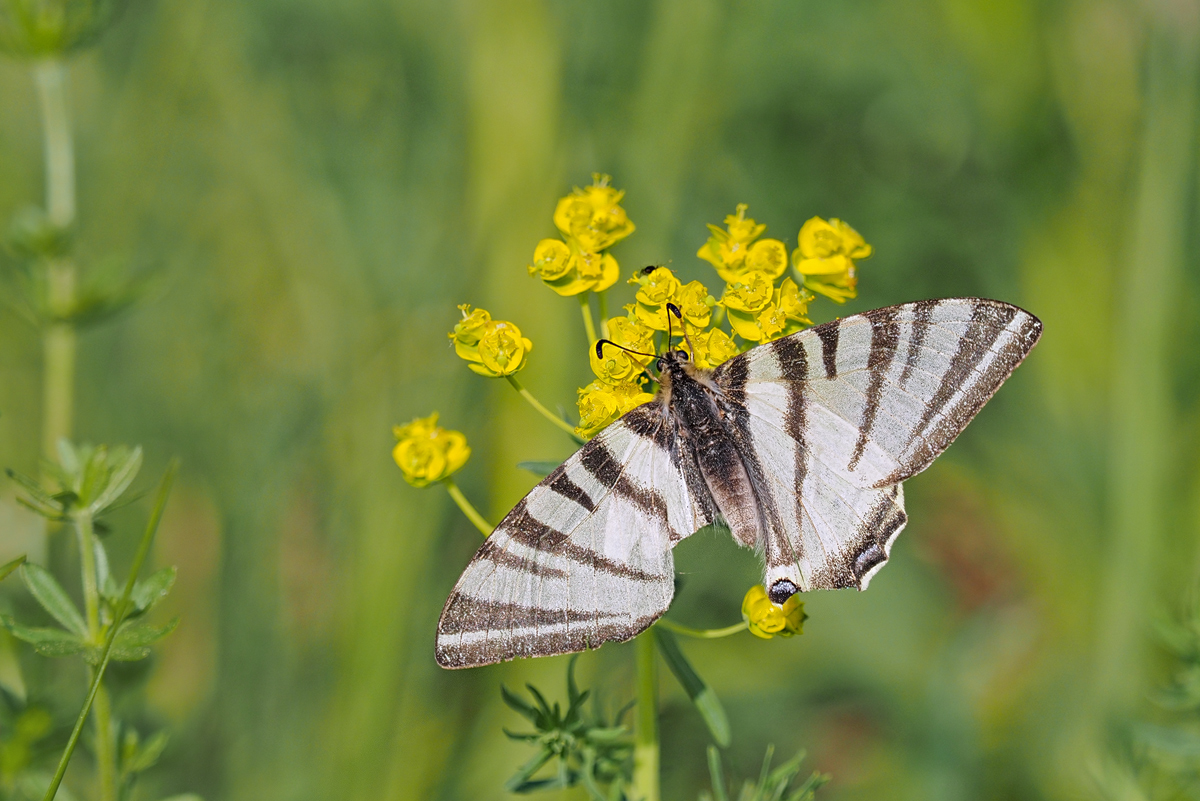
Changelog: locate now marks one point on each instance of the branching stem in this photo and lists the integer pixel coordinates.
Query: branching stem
(535, 403)
(467, 508)
(703, 634)
(586, 308)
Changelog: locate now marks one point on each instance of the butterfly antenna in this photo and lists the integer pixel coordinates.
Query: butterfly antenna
(673, 309)
(600, 354)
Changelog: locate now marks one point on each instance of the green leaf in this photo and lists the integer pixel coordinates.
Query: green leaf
(519, 781)
(518, 704)
(53, 598)
(716, 774)
(68, 457)
(102, 571)
(124, 471)
(703, 697)
(538, 468)
(147, 756)
(153, 589)
(140, 634)
(45, 641)
(9, 567)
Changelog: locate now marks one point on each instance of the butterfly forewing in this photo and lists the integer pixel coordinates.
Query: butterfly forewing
(834, 418)
(585, 557)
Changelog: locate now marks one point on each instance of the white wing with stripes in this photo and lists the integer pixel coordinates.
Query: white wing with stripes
(585, 557)
(832, 419)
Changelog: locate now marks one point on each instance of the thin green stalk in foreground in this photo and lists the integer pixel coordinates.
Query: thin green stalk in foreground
(586, 308)
(164, 490)
(467, 508)
(58, 338)
(704, 634)
(602, 302)
(645, 748)
(535, 403)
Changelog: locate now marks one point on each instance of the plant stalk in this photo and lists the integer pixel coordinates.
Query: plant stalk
(703, 634)
(467, 507)
(164, 490)
(586, 308)
(645, 748)
(535, 403)
(58, 338)
(106, 757)
(602, 303)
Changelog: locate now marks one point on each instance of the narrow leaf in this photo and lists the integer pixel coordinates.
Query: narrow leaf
(704, 699)
(148, 755)
(139, 558)
(9, 567)
(149, 592)
(518, 704)
(53, 598)
(521, 777)
(122, 476)
(538, 468)
(137, 635)
(717, 775)
(34, 489)
(45, 641)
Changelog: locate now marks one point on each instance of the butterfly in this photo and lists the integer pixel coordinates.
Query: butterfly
(798, 446)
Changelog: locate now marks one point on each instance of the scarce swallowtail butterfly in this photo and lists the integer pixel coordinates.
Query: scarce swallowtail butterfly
(799, 445)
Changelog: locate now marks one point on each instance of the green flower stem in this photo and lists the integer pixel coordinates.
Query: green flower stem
(704, 634)
(586, 308)
(87, 559)
(718, 316)
(563, 424)
(602, 301)
(645, 748)
(484, 527)
(50, 78)
(164, 489)
(106, 757)
(58, 339)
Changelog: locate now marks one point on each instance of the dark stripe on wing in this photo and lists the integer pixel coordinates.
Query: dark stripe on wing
(526, 529)
(987, 324)
(885, 338)
(466, 614)
(560, 483)
(828, 334)
(496, 555)
(922, 318)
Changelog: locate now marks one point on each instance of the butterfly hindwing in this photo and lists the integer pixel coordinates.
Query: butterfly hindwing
(585, 557)
(832, 419)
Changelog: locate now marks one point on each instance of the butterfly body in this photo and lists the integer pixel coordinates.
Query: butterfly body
(799, 445)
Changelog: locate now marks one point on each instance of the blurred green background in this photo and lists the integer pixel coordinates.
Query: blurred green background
(318, 184)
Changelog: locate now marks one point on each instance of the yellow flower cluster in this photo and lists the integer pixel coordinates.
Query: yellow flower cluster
(769, 620)
(493, 348)
(591, 221)
(735, 253)
(426, 452)
(825, 258)
(619, 373)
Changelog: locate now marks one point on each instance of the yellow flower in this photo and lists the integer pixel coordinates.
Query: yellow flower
(713, 348)
(825, 258)
(793, 301)
(467, 332)
(695, 304)
(571, 271)
(734, 252)
(426, 453)
(769, 620)
(601, 404)
(746, 300)
(491, 347)
(551, 260)
(656, 288)
(593, 216)
(617, 366)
